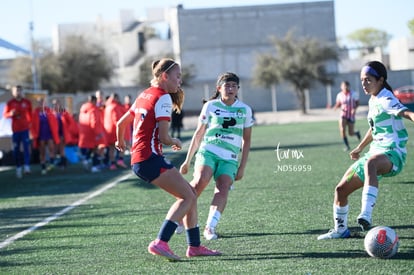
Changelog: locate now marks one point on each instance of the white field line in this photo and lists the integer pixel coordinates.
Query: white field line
(62, 212)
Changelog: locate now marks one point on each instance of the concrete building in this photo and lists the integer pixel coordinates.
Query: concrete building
(402, 53)
(123, 40)
(216, 40)
(211, 41)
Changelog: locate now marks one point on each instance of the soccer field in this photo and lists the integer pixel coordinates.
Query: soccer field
(270, 225)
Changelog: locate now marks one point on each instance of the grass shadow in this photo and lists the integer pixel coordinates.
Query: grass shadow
(72, 180)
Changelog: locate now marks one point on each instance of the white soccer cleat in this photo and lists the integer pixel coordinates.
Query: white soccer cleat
(210, 234)
(333, 234)
(180, 229)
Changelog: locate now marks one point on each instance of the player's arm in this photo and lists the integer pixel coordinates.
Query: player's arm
(163, 108)
(407, 114)
(8, 112)
(354, 154)
(164, 136)
(247, 134)
(337, 103)
(194, 145)
(29, 110)
(354, 108)
(121, 125)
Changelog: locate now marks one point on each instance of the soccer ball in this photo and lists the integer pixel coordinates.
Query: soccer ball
(381, 242)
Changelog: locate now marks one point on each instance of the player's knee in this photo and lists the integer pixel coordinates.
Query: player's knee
(199, 185)
(371, 164)
(190, 198)
(340, 191)
(223, 186)
(193, 198)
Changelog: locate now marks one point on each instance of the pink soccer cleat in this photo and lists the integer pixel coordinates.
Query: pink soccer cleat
(193, 251)
(162, 249)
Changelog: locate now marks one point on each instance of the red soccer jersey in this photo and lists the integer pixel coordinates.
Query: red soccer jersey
(91, 130)
(128, 130)
(20, 111)
(152, 105)
(112, 113)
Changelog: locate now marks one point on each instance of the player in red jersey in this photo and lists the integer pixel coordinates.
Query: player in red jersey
(112, 113)
(151, 113)
(91, 134)
(19, 109)
(67, 129)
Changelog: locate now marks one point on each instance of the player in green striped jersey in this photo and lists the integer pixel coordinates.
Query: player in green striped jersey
(387, 137)
(222, 138)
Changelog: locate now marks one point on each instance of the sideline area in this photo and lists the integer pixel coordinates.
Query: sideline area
(281, 117)
(294, 116)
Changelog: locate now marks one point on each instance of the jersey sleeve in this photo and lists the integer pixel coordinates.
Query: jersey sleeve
(392, 105)
(163, 108)
(338, 98)
(249, 122)
(203, 117)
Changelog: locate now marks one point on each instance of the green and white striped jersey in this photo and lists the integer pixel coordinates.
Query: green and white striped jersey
(388, 130)
(225, 124)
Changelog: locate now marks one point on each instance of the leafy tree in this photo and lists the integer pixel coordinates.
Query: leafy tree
(21, 67)
(80, 67)
(51, 73)
(369, 38)
(265, 73)
(411, 26)
(20, 71)
(84, 65)
(145, 73)
(299, 61)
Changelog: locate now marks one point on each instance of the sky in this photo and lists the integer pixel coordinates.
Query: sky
(350, 15)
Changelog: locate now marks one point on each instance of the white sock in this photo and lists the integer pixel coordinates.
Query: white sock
(368, 200)
(340, 214)
(213, 218)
